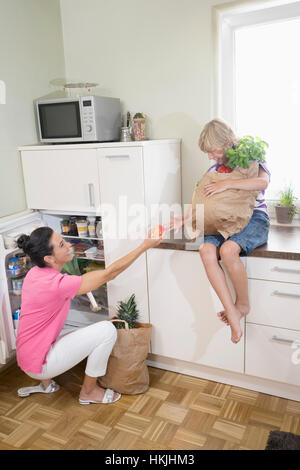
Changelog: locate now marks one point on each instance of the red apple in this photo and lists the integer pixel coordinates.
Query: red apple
(157, 231)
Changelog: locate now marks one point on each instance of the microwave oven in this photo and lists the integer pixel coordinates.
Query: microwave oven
(80, 119)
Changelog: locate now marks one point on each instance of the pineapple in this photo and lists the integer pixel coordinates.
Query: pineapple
(128, 312)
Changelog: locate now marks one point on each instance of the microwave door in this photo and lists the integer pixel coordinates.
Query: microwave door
(60, 122)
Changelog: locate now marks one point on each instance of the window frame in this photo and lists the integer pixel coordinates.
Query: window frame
(226, 19)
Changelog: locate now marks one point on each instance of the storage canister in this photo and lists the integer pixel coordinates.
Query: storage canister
(125, 134)
(82, 227)
(91, 226)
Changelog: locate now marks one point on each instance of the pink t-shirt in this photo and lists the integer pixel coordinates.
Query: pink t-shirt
(46, 297)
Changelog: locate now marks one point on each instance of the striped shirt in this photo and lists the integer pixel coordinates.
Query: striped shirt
(260, 203)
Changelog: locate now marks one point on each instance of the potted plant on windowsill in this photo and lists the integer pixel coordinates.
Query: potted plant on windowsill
(286, 209)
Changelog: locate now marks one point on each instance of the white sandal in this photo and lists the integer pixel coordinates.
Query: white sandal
(26, 391)
(108, 398)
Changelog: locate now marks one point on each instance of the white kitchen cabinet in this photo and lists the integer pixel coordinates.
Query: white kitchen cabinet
(273, 353)
(274, 304)
(273, 269)
(273, 323)
(123, 182)
(183, 312)
(61, 178)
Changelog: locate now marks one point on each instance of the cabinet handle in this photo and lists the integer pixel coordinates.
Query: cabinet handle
(285, 294)
(91, 194)
(117, 156)
(284, 340)
(285, 270)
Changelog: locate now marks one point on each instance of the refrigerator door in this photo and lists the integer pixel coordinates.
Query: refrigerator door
(10, 228)
(4, 354)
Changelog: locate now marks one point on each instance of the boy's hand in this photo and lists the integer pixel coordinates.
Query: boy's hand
(215, 187)
(176, 223)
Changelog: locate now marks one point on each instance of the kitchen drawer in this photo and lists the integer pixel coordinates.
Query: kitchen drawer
(270, 353)
(273, 269)
(274, 304)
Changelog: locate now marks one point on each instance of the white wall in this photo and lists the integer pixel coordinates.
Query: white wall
(31, 54)
(156, 56)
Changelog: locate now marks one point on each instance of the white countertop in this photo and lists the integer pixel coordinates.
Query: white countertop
(138, 143)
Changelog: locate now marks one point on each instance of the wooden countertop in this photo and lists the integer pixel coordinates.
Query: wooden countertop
(283, 243)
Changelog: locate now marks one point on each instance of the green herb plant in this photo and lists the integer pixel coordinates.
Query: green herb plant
(249, 149)
(287, 199)
(139, 116)
(127, 311)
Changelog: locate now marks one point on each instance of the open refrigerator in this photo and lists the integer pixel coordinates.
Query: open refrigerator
(81, 312)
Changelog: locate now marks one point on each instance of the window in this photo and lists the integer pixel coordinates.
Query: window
(260, 85)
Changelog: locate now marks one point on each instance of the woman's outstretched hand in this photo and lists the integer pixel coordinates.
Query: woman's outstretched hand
(154, 237)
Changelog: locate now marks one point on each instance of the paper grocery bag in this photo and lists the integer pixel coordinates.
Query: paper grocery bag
(225, 213)
(127, 371)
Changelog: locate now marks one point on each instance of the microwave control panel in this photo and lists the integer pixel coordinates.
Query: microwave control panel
(88, 119)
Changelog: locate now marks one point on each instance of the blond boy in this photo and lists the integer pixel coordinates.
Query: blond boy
(216, 137)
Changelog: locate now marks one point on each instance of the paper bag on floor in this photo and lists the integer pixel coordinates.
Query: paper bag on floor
(227, 212)
(127, 371)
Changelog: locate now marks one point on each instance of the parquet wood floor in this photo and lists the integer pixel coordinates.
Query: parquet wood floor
(177, 412)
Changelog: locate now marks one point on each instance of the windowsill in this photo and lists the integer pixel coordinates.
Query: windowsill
(295, 223)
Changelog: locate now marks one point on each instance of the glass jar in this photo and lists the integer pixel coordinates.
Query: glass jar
(139, 128)
(99, 227)
(73, 227)
(65, 227)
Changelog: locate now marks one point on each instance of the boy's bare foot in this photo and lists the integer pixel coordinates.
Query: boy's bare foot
(234, 318)
(242, 308)
(223, 317)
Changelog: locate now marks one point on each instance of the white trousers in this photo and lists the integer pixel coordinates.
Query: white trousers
(94, 342)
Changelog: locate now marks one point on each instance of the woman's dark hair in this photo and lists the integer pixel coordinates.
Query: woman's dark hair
(37, 245)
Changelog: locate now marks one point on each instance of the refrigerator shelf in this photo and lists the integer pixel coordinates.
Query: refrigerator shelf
(22, 274)
(89, 259)
(81, 238)
(10, 251)
(13, 292)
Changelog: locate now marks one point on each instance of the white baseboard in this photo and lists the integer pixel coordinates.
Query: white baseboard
(270, 387)
(8, 364)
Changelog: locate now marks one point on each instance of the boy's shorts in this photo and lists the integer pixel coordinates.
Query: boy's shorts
(253, 235)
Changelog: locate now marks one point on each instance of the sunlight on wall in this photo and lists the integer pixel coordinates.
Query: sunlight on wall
(2, 92)
(268, 96)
